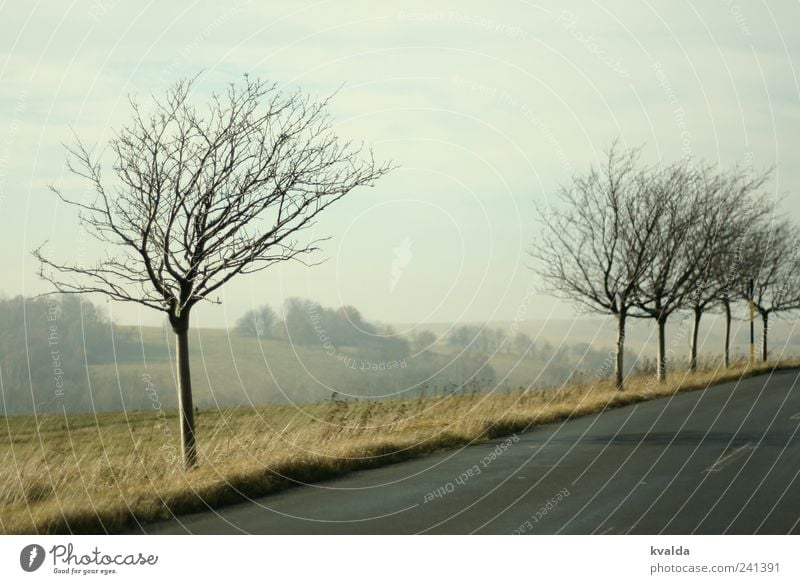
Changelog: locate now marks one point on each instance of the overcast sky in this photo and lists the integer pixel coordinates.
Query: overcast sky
(485, 108)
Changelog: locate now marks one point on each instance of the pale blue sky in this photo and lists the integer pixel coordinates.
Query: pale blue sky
(485, 107)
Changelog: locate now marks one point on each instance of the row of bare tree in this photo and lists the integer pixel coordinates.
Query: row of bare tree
(647, 241)
(199, 195)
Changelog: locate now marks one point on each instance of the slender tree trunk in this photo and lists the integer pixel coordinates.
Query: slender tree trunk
(764, 329)
(727, 350)
(698, 314)
(661, 366)
(619, 372)
(180, 325)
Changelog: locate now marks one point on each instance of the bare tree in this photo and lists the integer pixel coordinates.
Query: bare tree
(772, 262)
(734, 208)
(685, 237)
(727, 272)
(596, 244)
(203, 195)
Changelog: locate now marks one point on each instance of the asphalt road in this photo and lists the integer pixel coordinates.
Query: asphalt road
(723, 460)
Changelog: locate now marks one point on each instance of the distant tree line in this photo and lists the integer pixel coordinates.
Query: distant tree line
(648, 241)
(307, 323)
(486, 339)
(478, 338)
(358, 344)
(47, 345)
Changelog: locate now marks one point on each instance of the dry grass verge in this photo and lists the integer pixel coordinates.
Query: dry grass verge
(106, 473)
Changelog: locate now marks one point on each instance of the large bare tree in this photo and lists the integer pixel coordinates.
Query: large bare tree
(202, 195)
(735, 207)
(685, 239)
(596, 241)
(728, 274)
(772, 262)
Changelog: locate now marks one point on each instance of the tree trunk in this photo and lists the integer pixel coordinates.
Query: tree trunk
(661, 366)
(764, 328)
(727, 350)
(698, 313)
(619, 373)
(180, 325)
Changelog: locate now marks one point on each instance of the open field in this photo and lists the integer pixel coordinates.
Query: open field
(106, 472)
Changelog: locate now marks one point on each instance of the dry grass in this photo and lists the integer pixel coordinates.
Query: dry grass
(104, 473)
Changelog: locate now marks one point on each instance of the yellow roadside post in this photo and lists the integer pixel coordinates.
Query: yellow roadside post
(752, 304)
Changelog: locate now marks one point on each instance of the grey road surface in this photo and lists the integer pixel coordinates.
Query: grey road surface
(722, 460)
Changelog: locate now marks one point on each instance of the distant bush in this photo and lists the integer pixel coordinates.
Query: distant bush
(257, 322)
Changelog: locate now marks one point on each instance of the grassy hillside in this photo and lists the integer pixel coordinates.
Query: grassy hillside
(73, 358)
(106, 472)
(230, 369)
